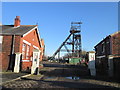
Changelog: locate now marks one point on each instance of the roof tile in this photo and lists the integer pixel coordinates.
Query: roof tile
(11, 30)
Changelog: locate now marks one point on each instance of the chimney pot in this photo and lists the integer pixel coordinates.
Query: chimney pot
(17, 21)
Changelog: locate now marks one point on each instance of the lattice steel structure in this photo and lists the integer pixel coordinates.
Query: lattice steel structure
(72, 44)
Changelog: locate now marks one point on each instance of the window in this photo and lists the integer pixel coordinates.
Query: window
(108, 42)
(96, 50)
(36, 57)
(23, 50)
(1, 38)
(28, 52)
(103, 47)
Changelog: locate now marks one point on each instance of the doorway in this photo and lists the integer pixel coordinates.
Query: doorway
(35, 62)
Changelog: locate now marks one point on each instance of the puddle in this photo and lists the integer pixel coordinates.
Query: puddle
(73, 78)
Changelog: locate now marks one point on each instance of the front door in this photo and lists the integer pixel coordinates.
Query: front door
(35, 62)
(17, 62)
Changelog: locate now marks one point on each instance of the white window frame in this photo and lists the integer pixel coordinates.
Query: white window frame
(23, 51)
(35, 47)
(24, 60)
(27, 52)
(26, 42)
(1, 39)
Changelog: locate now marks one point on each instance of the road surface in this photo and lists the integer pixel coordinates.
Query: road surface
(61, 76)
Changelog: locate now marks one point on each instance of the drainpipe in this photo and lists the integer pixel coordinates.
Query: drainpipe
(13, 42)
(11, 61)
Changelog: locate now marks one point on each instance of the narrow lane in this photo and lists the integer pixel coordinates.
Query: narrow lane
(61, 76)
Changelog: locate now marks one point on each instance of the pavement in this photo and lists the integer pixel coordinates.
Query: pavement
(11, 76)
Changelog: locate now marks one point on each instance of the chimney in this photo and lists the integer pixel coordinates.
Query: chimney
(17, 21)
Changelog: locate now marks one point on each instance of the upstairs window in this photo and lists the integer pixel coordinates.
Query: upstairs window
(28, 52)
(103, 47)
(23, 51)
(1, 39)
(96, 50)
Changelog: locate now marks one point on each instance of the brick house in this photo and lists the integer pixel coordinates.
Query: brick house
(22, 47)
(108, 55)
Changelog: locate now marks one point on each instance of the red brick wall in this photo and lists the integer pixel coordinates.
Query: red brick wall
(6, 44)
(0, 61)
(107, 49)
(116, 44)
(113, 48)
(17, 43)
(26, 65)
(33, 39)
(42, 49)
(6, 49)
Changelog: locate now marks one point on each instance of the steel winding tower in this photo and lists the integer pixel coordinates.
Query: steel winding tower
(72, 44)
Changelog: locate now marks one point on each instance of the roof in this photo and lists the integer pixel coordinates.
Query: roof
(103, 40)
(108, 37)
(11, 30)
(115, 33)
